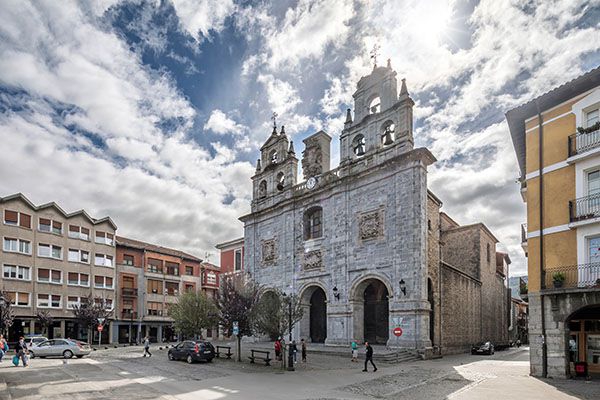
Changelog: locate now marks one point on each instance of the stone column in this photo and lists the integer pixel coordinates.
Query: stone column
(63, 331)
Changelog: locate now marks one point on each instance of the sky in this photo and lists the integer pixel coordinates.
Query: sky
(152, 112)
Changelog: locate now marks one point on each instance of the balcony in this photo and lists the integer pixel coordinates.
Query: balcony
(582, 276)
(584, 208)
(128, 315)
(524, 238)
(129, 292)
(580, 143)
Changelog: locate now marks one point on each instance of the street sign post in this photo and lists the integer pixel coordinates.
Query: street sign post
(236, 328)
(100, 327)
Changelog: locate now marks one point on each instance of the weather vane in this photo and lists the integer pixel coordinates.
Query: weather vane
(274, 118)
(374, 53)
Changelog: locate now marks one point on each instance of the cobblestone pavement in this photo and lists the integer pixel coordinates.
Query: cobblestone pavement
(123, 374)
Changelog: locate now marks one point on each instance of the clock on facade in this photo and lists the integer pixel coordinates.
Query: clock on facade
(311, 182)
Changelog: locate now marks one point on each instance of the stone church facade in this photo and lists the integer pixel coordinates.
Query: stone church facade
(355, 243)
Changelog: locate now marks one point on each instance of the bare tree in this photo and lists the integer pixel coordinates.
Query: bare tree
(45, 319)
(7, 314)
(89, 310)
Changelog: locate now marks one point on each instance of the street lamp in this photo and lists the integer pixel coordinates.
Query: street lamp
(290, 366)
(336, 293)
(402, 286)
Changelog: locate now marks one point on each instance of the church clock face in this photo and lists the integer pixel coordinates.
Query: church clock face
(311, 182)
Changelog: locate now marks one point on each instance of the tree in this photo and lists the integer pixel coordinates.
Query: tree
(272, 314)
(236, 301)
(89, 310)
(193, 312)
(7, 314)
(45, 320)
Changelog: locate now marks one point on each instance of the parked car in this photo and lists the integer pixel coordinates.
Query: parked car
(192, 351)
(483, 348)
(33, 340)
(66, 348)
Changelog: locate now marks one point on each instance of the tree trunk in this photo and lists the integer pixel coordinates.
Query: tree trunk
(239, 348)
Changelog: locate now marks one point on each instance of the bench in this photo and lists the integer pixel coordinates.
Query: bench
(228, 354)
(266, 358)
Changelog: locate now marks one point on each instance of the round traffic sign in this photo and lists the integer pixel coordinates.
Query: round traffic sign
(397, 331)
(100, 327)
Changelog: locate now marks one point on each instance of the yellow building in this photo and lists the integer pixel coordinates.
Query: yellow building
(557, 141)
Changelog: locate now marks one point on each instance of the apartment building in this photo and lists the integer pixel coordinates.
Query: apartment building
(231, 256)
(556, 137)
(150, 279)
(50, 260)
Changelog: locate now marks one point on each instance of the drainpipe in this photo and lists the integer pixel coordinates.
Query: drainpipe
(440, 301)
(542, 260)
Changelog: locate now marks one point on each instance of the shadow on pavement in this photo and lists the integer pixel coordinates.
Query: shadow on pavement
(579, 388)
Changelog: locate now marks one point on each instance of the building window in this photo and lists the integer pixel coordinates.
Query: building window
(48, 301)
(72, 302)
(172, 268)
(189, 288)
(154, 286)
(211, 278)
(50, 226)
(19, 299)
(16, 272)
(155, 266)
(45, 275)
(359, 145)
(594, 250)
(17, 219)
(593, 182)
(592, 117)
(172, 288)
(77, 279)
(79, 232)
(429, 224)
(189, 270)
(375, 105)
(79, 256)
(313, 227)
(488, 253)
(103, 260)
(49, 251)
(17, 246)
(237, 265)
(105, 238)
(128, 260)
(155, 308)
(103, 282)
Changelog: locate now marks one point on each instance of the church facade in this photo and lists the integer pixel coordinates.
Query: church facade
(356, 243)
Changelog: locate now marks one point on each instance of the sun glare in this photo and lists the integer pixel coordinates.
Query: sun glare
(430, 22)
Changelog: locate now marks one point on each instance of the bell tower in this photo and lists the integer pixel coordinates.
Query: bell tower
(276, 169)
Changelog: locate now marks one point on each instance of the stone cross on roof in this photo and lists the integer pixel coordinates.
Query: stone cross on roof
(374, 54)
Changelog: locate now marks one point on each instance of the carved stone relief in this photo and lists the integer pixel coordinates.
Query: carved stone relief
(313, 260)
(269, 253)
(312, 159)
(370, 225)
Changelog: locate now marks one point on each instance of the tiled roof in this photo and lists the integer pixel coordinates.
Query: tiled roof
(138, 244)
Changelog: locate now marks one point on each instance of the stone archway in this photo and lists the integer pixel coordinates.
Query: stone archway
(583, 337)
(370, 312)
(313, 326)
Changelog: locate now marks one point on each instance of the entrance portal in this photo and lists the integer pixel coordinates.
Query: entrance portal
(584, 337)
(376, 312)
(318, 316)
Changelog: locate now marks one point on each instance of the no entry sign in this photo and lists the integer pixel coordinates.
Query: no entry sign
(100, 327)
(398, 331)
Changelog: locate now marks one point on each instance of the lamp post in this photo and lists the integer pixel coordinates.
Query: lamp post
(290, 366)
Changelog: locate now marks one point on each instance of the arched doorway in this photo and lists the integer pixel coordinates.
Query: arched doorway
(583, 342)
(313, 325)
(376, 312)
(318, 316)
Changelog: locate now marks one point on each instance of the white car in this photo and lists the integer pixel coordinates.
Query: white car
(33, 340)
(66, 348)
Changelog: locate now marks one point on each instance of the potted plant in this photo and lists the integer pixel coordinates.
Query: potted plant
(558, 278)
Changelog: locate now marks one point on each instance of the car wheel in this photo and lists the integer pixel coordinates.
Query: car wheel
(170, 355)
(209, 360)
(67, 354)
(189, 359)
(31, 354)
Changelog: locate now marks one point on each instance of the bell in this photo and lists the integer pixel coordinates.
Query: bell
(387, 138)
(360, 150)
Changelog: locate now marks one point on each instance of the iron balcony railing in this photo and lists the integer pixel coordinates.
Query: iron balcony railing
(129, 315)
(587, 207)
(581, 142)
(573, 276)
(131, 292)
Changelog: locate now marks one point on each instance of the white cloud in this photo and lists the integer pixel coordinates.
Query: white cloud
(220, 123)
(199, 17)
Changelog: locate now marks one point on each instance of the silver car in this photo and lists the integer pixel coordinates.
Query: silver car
(66, 348)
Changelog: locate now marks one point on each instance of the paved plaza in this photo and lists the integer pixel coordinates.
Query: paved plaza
(123, 374)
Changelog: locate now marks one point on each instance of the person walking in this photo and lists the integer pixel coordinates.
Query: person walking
(147, 347)
(518, 343)
(278, 349)
(3, 347)
(369, 357)
(294, 350)
(303, 346)
(354, 351)
(21, 350)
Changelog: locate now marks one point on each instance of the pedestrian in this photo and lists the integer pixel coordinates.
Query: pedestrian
(518, 343)
(354, 351)
(278, 349)
(294, 350)
(3, 347)
(369, 357)
(303, 346)
(147, 347)
(21, 351)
